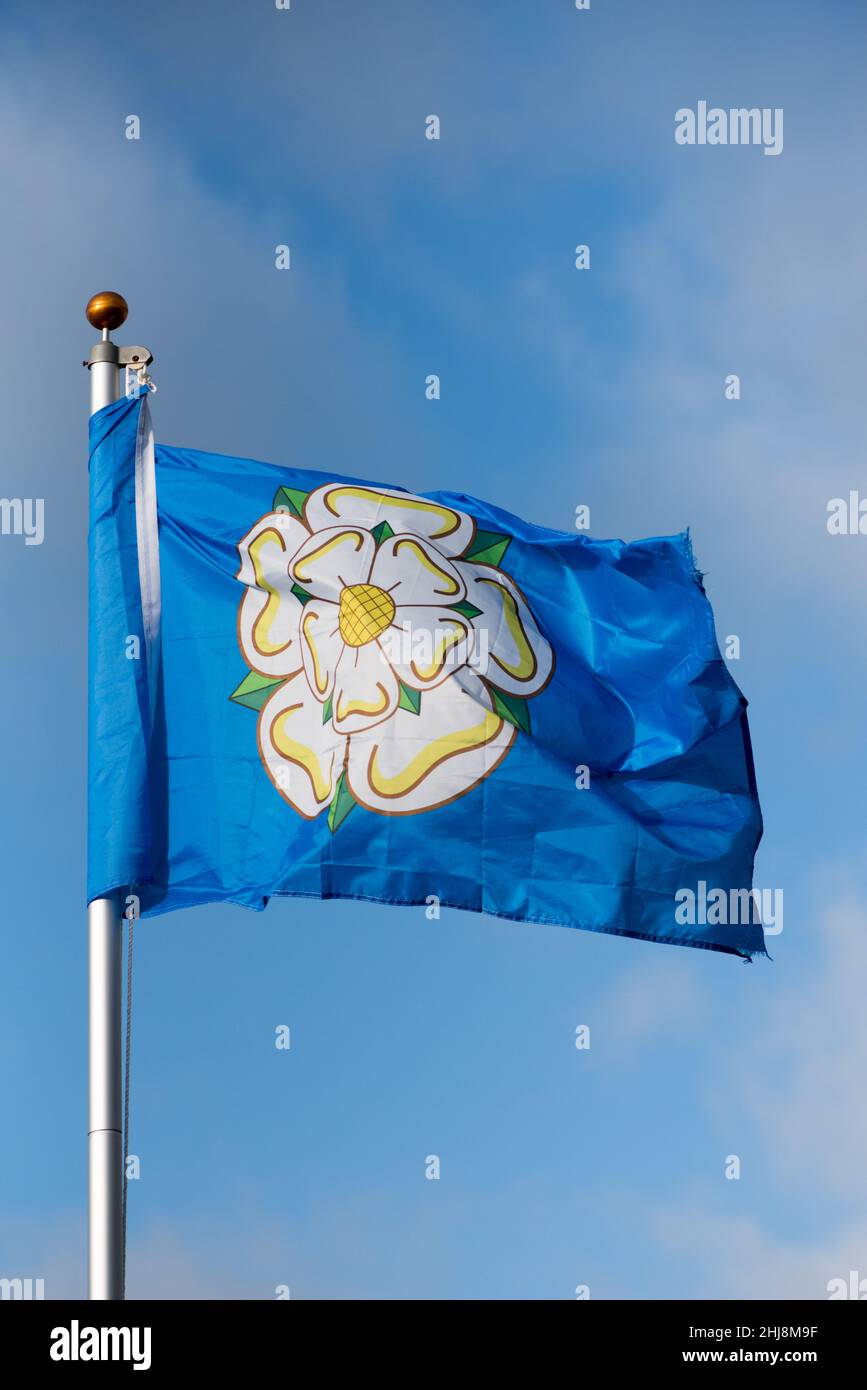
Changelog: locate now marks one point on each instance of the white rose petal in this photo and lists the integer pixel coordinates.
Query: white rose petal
(321, 645)
(415, 574)
(427, 645)
(415, 762)
(302, 756)
(450, 530)
(520, 660)
(270, 612)
(330, 560)
(366, 691)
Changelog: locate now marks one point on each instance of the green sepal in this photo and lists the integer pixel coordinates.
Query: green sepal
(326, 709)
(300, 593)
(289, 499)
(487, 547)
(466, 609)
(255, 689)
(513, 708)
(341, 804)
(382, 532)
(409, 699)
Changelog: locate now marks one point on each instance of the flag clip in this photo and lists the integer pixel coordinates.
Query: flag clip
(134, 377)
(135, 362)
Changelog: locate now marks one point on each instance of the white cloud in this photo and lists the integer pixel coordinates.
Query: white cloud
(656, 998)
(738, 1259)
(802, 1074)
(791, 1085)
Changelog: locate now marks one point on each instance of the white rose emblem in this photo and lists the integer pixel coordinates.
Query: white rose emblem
(389, 654)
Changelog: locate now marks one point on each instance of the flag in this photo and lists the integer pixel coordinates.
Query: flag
(311, 684)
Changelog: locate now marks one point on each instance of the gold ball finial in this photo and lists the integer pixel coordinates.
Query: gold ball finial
(107, 310)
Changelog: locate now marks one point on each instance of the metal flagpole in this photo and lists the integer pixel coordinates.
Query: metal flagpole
(105, 921)
(105, 1141)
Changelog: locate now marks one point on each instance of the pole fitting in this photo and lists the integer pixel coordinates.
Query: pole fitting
(105, 311)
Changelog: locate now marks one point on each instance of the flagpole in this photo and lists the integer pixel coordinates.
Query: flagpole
(104, 922)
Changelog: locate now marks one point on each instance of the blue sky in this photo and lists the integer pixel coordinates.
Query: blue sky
(409, 256)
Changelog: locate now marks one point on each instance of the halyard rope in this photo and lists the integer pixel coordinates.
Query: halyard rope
(125, 1150)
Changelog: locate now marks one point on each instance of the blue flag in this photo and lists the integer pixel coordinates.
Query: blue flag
(310, 684)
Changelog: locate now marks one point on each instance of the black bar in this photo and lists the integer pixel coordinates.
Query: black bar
(651, 1337)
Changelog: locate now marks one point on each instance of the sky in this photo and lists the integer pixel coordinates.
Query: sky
(560, 1168)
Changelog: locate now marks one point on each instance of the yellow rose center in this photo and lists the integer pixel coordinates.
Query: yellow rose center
(365, 612)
